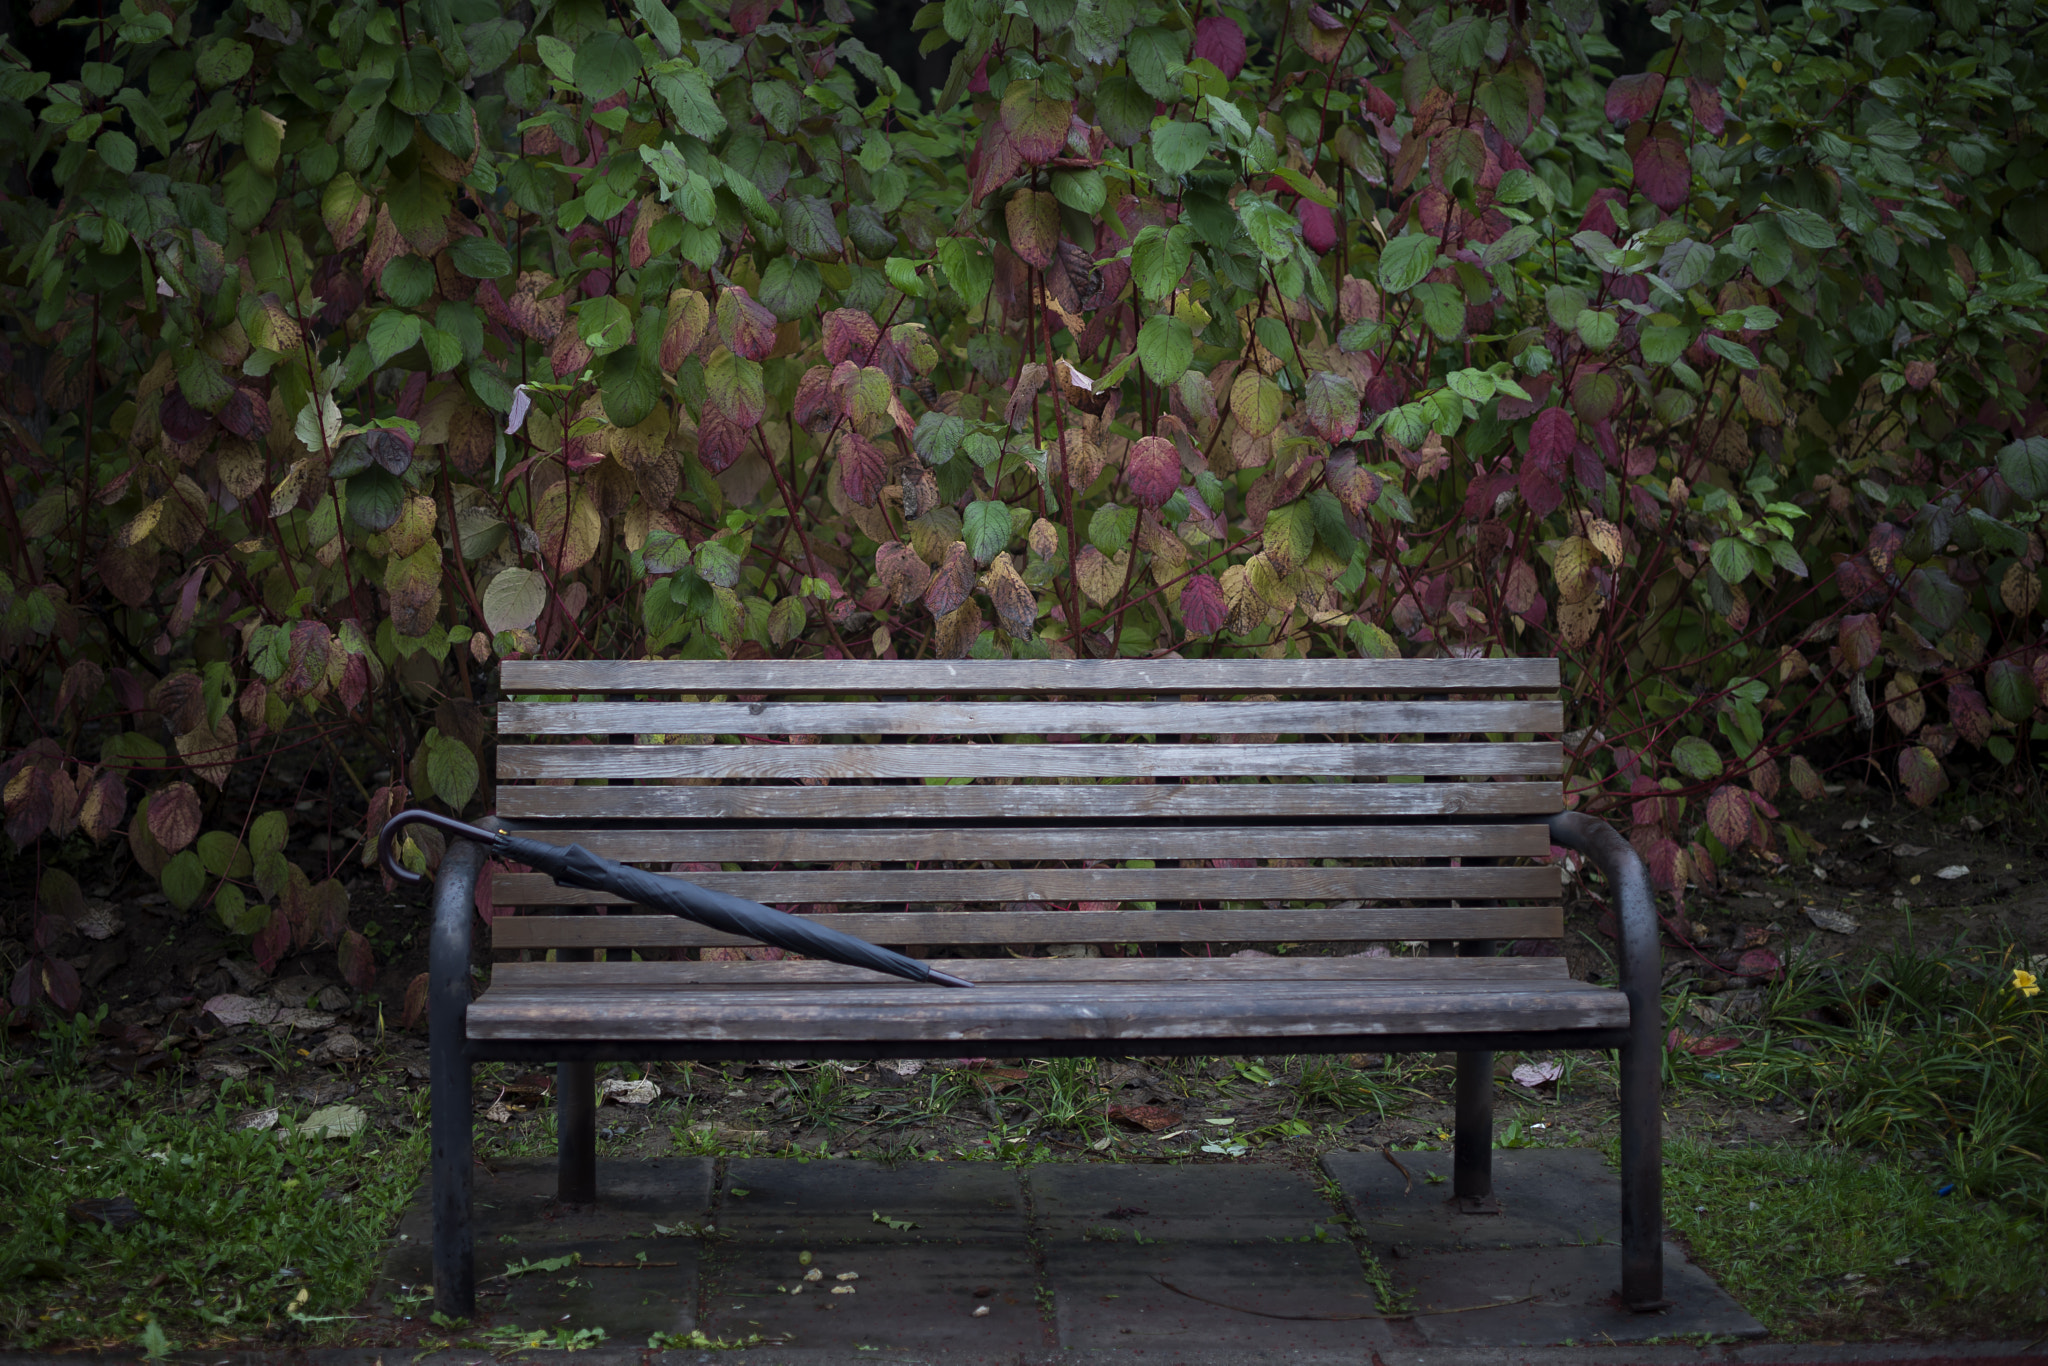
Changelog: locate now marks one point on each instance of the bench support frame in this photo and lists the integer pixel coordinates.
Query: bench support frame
(453, 1057)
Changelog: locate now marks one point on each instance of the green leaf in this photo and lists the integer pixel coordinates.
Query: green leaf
(1661, 345)
(1696, 758)
(969, 268)
(452, 769)
(1111, 528)
(2024, 465)
(1597, 329)
(392, 332)
(779, 104)
(604, 324)
(1405, 261)
(1735, 352)
(985, 526)
(661, 25)
(630, 382)
(407, 281)
(605, 62)
(1180, 147)
(790, 288)
(1273, 230)
(184, 880)
(223, 854)
(514, 599)
(808, 227)
(1151, 54)
(1082, 191)
(117, 149)
(689, 99)
(1807, 228)
(481, 258)
(416, 80)
(223, 62)
(1731, 559)
(1166, 347)
(1159, 259)
(376, 497)
(267, 833)
(903, 275)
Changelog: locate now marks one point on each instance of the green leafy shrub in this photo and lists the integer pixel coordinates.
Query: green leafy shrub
(360, 346)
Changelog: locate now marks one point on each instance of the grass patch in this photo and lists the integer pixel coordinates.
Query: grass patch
(236, 1231)
(1820, 1241)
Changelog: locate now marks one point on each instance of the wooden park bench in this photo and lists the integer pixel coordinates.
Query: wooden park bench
(977, 812)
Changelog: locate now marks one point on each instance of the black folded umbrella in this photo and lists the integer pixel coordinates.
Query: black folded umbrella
(574, 866)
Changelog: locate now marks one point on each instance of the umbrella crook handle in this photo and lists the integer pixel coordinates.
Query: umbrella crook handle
(387, 840)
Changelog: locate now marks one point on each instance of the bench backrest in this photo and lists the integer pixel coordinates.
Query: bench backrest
(1024, 803)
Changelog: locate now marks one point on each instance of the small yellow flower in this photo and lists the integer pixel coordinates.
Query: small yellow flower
(2023, 982)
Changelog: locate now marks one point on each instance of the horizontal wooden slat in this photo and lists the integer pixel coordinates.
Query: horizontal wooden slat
(783, 844)
(1195, 801)
(1038, 1010)
(930, 716)
(1013, 676)
(1059, 927)
(1024, 761)
(1276, 972)
(1070, 884)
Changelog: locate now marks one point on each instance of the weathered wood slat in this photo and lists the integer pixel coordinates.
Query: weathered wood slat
(1071, 884)
(936, 716)
(1194, 801)
(1059, 927)
(1014, 676)
(1041, 1010)
(1040, 843)
(1025, 761)
(803, 974)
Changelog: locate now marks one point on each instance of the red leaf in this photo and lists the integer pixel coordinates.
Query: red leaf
(1705, 98)
(952, 581)
(174, 816)
(862, 468)
(850, 335)
(720, 441)
(1318, 228)
(1202, 606)
(1663, 171)
(1968, 713)
(1599, 216)
(1152, 470)
(1146, 1118)
(56, 981)
(306, 662)
(1700, 1046)
(273, 941)
(1760, 963)
(1033, 124)
(358, 965)
(1729, 816)
(1858, 637)
(247, 414)
(328, 901)
(1357, 489)
(1920, 774)
(1552, 438)
(1634, 97)
(415, 1002)
(28, 804)
(1220, 42)
(747, 328)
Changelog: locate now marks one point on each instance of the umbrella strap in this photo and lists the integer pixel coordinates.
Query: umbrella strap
(387, 840)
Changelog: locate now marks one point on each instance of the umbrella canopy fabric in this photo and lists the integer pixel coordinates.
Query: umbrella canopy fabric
(574, 866)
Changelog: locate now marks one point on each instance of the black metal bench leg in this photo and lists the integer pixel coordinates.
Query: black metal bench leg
(576, 1132)
(1472, 1139)
(447, 1015)
(1642, 980)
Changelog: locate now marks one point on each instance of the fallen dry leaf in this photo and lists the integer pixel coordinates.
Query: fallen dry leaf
(1148, 1118)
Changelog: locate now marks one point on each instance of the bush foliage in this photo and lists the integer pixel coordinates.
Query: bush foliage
(357, 347)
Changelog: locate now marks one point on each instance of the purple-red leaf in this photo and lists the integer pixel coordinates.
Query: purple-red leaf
(1705, 99)
(1634, 97)
(862, 468)
(1663, 170)
(1152, 470)
(1202, 607)
(1220, 42)
(358, 965)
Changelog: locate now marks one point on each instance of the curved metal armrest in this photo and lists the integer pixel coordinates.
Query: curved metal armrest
(387, 840)
(1642, 958)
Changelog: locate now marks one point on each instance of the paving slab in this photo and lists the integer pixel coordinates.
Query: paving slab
(1549, 1197)
(1165, 1298)
(1565, 1294)
(791, 1202)
(910, 1297)
(1212, 1203)
(519, 1220)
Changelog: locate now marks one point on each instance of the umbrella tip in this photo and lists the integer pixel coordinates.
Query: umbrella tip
(947, 979)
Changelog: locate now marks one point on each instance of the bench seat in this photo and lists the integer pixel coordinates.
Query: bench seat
(1348, 1000)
